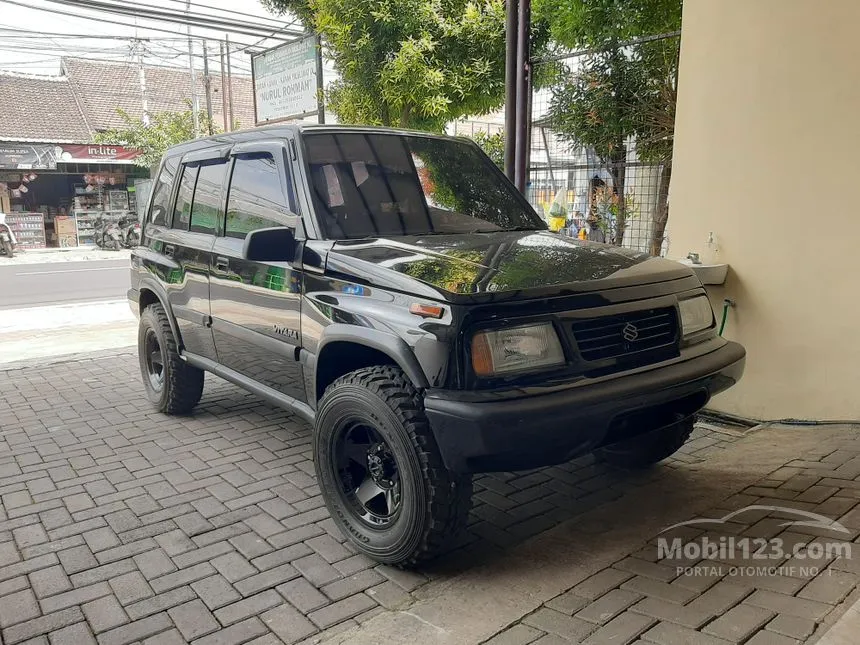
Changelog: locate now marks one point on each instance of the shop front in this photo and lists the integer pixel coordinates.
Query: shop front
(57, 195)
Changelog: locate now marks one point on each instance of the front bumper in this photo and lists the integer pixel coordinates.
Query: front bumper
(482, 432)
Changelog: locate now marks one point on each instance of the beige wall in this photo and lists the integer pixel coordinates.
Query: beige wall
(767, 156)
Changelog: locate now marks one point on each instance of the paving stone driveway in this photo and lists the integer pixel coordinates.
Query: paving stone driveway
(118, 525)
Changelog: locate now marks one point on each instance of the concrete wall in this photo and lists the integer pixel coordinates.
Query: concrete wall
(767, 156)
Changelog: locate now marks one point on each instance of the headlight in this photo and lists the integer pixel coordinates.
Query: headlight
(516, 349)
(696, 314)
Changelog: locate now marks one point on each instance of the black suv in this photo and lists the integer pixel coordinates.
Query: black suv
(395, 291)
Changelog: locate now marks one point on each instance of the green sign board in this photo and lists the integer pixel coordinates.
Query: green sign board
(285, 80)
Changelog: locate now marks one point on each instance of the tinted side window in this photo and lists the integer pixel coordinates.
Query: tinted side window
(207, 208)
(256, 199)
(182, 211)
(160, 204)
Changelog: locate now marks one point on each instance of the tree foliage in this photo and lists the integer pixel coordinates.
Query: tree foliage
(165, 129)
(618, 91)
(409, 63)
(493, 145)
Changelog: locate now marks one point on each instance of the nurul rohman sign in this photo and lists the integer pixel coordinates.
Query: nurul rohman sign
(285, 81)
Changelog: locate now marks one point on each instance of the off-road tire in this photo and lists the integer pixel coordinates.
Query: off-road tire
(8, 249)
(649, 448)
(182, 383)
(434, 502)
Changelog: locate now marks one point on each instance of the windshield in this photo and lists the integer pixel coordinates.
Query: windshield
(375, 185)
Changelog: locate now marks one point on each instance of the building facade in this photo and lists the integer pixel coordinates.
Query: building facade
(766, 134)
(55, 184)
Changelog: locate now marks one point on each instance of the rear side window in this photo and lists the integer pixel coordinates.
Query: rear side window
(256, 199)
(182, 211)
(207, 208)
(160, 205)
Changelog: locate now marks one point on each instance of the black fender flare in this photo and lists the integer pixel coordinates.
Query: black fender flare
(150, 284)
(389, 344)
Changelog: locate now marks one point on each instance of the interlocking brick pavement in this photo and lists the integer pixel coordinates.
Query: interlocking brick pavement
(126, 526)
(722, 601)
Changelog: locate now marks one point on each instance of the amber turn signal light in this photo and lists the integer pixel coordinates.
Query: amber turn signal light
(426, 311)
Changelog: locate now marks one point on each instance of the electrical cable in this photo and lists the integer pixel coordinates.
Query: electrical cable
(103, 20)
(184, 18)
(184, 3)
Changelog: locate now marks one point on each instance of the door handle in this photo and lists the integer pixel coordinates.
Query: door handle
(169, 250)
(222, 263)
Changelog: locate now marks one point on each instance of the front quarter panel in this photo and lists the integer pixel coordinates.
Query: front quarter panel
(340, 310)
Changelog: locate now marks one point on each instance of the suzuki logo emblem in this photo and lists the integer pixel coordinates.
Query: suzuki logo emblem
(630, 332)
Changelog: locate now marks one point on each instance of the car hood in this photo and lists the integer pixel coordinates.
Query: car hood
(518, 264)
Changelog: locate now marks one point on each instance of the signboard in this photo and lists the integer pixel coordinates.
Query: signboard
(24, 156)
(285, 81)
(89, 153)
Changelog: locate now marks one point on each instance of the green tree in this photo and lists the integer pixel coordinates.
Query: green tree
(165, 129)
(619, 91)
(409, 63)
(493, 145)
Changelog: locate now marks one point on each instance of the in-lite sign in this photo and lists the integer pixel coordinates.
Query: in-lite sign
(98, 152)
(285, 81)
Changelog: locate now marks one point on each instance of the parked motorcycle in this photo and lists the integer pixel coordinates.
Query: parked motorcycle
(130, 229)
(108, 234)
(7, 240)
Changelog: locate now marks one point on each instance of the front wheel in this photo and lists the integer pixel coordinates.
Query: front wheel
(647, 449)
(172, 385)
(380, 470)
(8, 249)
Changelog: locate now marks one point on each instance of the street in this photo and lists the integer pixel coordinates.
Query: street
(30, 285)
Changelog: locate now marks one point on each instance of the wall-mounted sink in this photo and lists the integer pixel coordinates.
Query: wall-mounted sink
(708, 273)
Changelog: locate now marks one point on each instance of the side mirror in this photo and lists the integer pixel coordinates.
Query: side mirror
(276, 244)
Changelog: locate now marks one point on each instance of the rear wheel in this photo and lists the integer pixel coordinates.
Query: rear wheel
(380, 470)
(647, 449)
(172, 385)
(7, 248)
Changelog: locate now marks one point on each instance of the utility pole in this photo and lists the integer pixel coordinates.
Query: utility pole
(195, 106)
(229, 82)
(141, 73)
(523, 91)
(511, 17)
(207, 85)
(224, 114)
(517, 91)
(320, 85)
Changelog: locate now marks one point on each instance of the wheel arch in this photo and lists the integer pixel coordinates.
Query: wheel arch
(150, 293)
(345, 348)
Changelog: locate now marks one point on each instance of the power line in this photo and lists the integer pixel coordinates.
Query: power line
(231, 11)
(98, 19)
(185, 18)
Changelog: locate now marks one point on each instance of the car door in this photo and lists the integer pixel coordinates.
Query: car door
(187, 252)
(256, 306)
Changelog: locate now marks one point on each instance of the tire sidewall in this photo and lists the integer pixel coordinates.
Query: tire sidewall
(349, 403)
(148, 321)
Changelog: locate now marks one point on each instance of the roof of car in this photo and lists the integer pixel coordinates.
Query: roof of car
(282, 130)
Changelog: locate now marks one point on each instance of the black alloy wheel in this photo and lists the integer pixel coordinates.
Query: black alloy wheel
(153, 360)
(380, 471)
(368, 473)
(172, 385)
